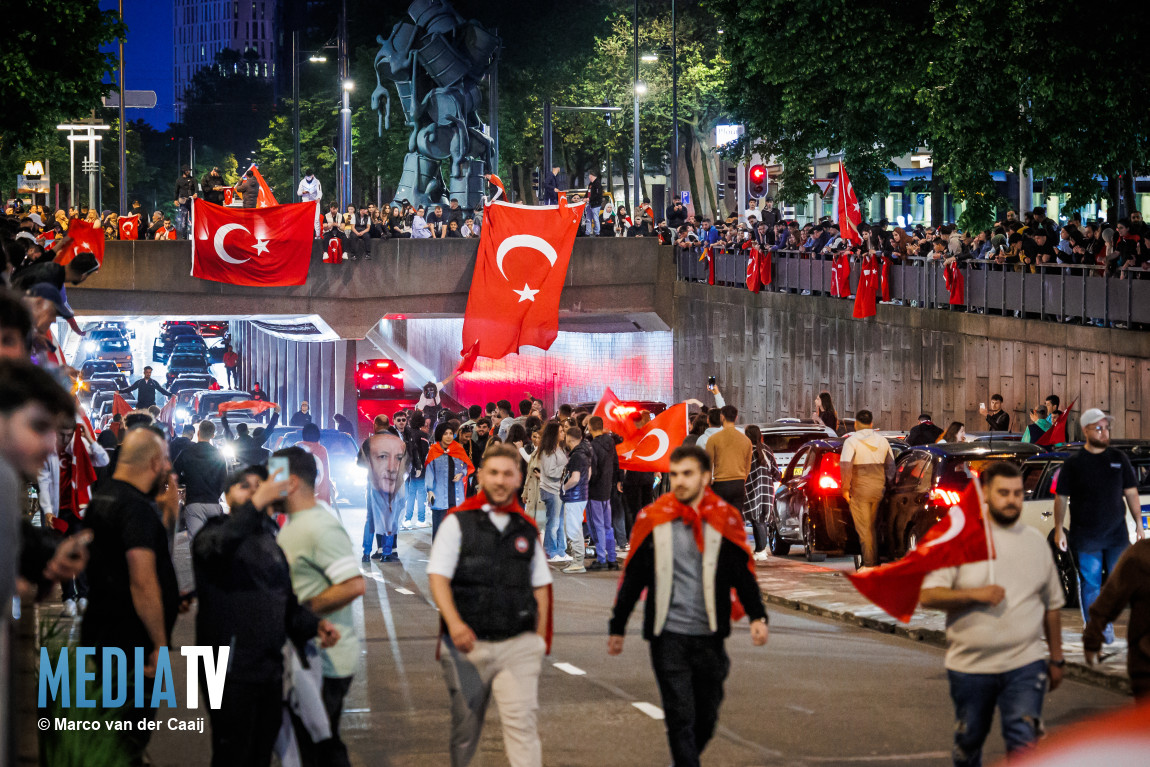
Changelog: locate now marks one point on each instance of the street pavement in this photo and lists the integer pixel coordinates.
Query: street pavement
(821, 692)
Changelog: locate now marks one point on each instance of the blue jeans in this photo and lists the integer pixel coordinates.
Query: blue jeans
(573, 524)
(437, 516)
(416, 497)
(595, 219)
(387, 544)
(553, 543)
(602, 530)
(1018, 695)
(369, 536)
(1090, 565)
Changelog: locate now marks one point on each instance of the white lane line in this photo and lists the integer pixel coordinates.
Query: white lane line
(649, 709)
(406, 592)
(569, 669)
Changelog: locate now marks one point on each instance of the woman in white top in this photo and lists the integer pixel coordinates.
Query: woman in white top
(551, 462)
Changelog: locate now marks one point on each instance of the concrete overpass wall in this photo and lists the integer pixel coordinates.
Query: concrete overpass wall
(773, 353)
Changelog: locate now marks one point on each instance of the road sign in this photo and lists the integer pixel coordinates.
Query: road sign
(132, 100)
(685, 197)
(824, 184)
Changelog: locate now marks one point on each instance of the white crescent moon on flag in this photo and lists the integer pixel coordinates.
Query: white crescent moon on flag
(957, 522)
(221, 233)
(524, 241)
(664, 445)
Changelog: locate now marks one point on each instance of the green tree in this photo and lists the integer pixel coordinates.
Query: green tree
(51, 67)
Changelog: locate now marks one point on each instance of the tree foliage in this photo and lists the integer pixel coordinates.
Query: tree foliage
(51, 67)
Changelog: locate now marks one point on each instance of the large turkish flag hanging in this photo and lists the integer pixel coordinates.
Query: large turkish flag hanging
(86, 238)
(129, 227)
(519, 274)
(253, 246)
(650, 448)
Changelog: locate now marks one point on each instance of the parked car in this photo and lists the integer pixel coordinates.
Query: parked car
(97, 366)
(179, 364)
(89, 389)
(119, 379)
(1039, 477)
(809, 507)
(106, 344)
(378, 375)
(213, 328)
(785, 438)
(169, 337)
(100, 398)
(127, 328)
(207, 403)
(191, 381)
(927, 481)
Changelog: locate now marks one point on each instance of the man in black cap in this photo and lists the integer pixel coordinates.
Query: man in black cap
(185, 191)
(213, 186)
(76, 271)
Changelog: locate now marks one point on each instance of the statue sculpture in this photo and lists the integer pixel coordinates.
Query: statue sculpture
(437, 63)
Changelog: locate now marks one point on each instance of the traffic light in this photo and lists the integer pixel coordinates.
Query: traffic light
(756, 182)
(535, 180)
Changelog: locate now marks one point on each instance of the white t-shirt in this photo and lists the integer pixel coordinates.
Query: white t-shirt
(994, 640)
(444, 555)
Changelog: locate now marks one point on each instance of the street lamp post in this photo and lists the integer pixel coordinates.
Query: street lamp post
(295, 114)
(638, 174)
(123, 129)
(344, 114)
(674, 108)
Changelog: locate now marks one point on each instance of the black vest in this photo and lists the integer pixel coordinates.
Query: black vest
(492, 583)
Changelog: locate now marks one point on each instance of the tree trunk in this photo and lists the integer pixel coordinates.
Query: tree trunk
(1115, 195)
(705, 159)
(689, 171)
(1128, 192)
(936, 206)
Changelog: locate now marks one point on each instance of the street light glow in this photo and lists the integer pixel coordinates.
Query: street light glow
(317, 59)
(348, 85)
(649, 57)
(640, 87)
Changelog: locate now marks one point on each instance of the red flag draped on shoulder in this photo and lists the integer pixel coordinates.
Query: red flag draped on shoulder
(841, 274)
(455, 450)
(955, 283)
(82, 237)
(958, 538)
(616, 417)
(867, 290)
(850, 216)
(520, 245)
(253, 246)
(1056, 434)
(649, 449)
(265, 198)
(713, 510)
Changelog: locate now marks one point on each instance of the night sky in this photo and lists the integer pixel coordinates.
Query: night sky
(148, 56)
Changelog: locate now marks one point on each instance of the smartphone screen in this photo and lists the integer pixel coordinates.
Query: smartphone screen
(278, 470)
(711, 381)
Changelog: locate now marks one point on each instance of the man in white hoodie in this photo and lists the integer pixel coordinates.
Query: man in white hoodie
(867, 464)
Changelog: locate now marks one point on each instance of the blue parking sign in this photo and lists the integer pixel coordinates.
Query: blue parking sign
(685, 197)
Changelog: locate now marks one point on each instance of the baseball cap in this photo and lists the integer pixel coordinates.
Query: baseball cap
(1093, 416)
(25, 236)
(48, 291)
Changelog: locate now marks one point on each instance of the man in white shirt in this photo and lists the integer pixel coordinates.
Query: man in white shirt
(310, 190)
(489, 577)
(997, 622)
(867, 465)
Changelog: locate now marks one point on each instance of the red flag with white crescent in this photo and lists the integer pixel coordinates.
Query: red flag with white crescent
(264, 198)
(885, 277)
(520, 245)
(850, 215)
(649, 449)
(841, 274)
(130, 227)
(754, 281)
(766, 275)
(867, 290)
(617, 417)
(958, 538)
(86, 238)
(253, 246)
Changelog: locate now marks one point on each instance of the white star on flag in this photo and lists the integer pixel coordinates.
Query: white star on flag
(261, 246)
(527, 294)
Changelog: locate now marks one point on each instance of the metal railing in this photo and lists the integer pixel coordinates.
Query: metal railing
(1052, 292)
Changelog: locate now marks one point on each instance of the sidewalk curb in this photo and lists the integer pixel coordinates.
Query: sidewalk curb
(1075, 670)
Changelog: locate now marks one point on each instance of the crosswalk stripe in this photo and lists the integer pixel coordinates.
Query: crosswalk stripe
(649, 709)
(569, 669)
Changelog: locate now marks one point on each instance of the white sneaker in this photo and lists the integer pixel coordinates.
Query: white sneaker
(70, 608)
(572, 569)
(762, 556)
(82, 603)
(424, 523)
(406, 525)
(557, 558)
(565, 558)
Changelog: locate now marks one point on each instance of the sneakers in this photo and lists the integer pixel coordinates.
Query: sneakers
(761, 556)
(595, 566)
(423, 523)
(572, 570)
(407, 524)
(366, 558)
(70, 608)
(392, 557)
(82, 603)
(559, 558)
(377, 556)
(612, 565)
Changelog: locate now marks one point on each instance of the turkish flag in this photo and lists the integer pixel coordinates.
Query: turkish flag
(841, 274)
(83, 474)
(334, 252)
(120, 405)
(519, 245)
(765, 268)
(264, 198)
(649, 449)
(867, 290)
(254, 405)
(617, 417)
(1115, 738)
(885, 277)
(955, 284)
(960, 537)
(754, 281)
(850, 216)
(1056, 434)
(130, 227)
(252, 246)
(467, 364)
(86, 238)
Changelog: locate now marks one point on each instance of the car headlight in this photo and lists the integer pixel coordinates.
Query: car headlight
(228, 452)
(90, 346)
(360, 477)
(182, 413)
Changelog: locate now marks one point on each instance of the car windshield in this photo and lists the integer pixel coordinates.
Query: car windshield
(338, 444)
(953, 472)
(186, 361)
(96, 366)
(114, 345)
(789, 443)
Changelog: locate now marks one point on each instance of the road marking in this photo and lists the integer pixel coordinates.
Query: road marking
(649, 709)
(357, 710)
(406, 592)
(880, 758)
(800, 709)
(569, 669)
(376, 576)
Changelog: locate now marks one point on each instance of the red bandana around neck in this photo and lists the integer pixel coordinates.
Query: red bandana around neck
(455, 450)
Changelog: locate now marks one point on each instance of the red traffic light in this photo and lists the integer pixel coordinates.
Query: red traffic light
(758, 173)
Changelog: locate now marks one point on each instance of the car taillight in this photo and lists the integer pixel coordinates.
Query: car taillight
(827, 482)
(944, 497)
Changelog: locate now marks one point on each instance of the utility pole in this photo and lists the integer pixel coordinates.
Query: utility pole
(344, 114)
(123, 129)
(674, 108)
(295, 113)
(638, 174)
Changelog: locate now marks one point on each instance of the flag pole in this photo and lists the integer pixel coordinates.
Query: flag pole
(984, 512)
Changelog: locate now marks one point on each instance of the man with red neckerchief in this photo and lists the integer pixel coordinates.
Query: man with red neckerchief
(689, 552)
(489, 577)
